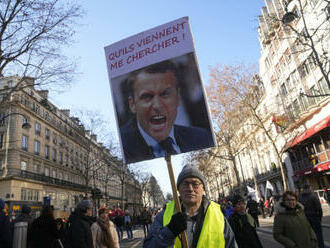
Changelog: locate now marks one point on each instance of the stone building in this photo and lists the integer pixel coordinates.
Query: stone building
(47, 155)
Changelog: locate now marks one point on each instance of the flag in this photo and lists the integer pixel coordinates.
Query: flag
(269, 186)
(253, 193)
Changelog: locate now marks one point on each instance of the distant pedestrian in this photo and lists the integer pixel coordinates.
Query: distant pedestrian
(119, 222)
(128, 225)
(104, 231)
(145, 220)
(20, 228)
(313, 212)
(243, 225)
(43, 232)
(253, 209)
(79, 233)
(5, 236)
(291, 227)
(262, 206)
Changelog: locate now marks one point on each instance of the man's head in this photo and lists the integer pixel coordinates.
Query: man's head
(191, 184)
(239, 204)
(154, 97)
(103, 212)
(26, 209)
(85, 207)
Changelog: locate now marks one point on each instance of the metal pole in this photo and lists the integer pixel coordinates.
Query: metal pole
(175, 196)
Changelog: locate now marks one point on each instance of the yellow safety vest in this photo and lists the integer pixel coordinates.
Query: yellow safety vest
(213, 227)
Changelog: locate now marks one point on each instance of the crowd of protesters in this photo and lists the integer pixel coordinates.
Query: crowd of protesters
(80, 230)
(297, 222)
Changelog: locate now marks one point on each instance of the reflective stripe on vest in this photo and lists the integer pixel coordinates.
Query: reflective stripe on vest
(213, 227)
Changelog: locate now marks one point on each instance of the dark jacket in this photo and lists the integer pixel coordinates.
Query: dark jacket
(42, 233)
(5, 237)
(244, 228)
(312, 205)
(160, 236)
(292, 229)
(79, 233)
(188, 139)
(253, 207)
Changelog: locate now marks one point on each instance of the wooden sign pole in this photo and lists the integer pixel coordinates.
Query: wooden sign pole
(176, 197)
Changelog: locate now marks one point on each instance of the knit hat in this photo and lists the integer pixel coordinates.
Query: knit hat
(2, 204)
(26, 209)
(189, 171)
(236, 199)
(84, 205)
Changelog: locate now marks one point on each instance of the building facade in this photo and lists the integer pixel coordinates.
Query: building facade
(47, 156)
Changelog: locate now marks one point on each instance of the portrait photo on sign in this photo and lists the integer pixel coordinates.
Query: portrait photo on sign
(161, 109)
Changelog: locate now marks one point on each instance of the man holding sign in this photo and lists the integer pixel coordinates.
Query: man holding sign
(154, 97)
(201, 218)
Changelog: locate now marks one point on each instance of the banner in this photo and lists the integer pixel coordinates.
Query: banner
(157, 93)
(269, 186)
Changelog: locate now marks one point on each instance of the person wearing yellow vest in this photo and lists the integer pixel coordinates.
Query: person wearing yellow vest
(201, 218)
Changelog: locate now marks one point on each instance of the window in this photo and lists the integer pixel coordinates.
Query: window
(23, 194)
(47, 133)
(23, 165)
(36, 168)
(46, 171)
(25, 120)
(326, 139)
(54, 138)
(10, 83)
(35, 195)
(1, 140)
(36, 147)
(37, 128)
(30, 195)
(284, 90)
(47, 152)
(54, 154)
(0, 164)
(324, 86)
(296, 107)
(24, 142)
(318, 144)
(60, 157)
(54, 173)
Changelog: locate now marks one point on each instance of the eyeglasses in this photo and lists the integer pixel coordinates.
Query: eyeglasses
(195, 185)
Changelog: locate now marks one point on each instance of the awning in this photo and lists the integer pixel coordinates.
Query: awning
(316, 169)
(309, 132)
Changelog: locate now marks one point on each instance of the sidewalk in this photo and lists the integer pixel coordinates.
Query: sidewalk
(266, 225)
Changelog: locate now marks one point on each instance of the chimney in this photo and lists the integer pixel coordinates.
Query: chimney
(66, 112)
(43, 93)
(94, 137)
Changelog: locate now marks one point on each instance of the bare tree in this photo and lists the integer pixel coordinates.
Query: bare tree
(32, 33)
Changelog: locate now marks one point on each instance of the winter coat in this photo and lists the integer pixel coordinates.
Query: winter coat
(42, 233)
(5, 237)
(160, 236)
(244, 228)
(79, 233)
(253, 207)
(292, 229)
(96, 233)
(312, 205)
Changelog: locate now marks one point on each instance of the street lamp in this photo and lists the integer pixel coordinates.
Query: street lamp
(26, 125)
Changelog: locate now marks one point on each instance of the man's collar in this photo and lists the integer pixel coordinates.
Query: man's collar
(151, 141)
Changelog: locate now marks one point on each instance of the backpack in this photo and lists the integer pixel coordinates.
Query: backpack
(20, 234)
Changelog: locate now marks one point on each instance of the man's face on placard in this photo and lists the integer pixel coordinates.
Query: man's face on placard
(155, 101)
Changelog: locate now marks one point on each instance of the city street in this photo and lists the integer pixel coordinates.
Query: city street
(264, 232)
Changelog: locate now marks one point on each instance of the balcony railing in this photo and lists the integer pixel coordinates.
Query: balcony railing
(46, 179)
(269, 174)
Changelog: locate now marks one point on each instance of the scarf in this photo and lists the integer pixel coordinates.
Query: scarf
(106, 237)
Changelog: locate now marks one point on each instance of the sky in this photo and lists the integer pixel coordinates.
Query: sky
(224, 32)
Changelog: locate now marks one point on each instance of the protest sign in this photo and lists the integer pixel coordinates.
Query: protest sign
(158, 94)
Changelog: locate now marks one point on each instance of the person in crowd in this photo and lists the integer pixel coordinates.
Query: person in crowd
(291, 227)
(128, 225)
(313, 212)
(253, 209)
(145, 220)
(243, 225)
(153, 99)
(104, 231)
(20, 228)
(43, 232)
(5, 237)
(199, 216)
(229, 209)
(119, 222)
(79, 233)
(60, 225)
(262, 206)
